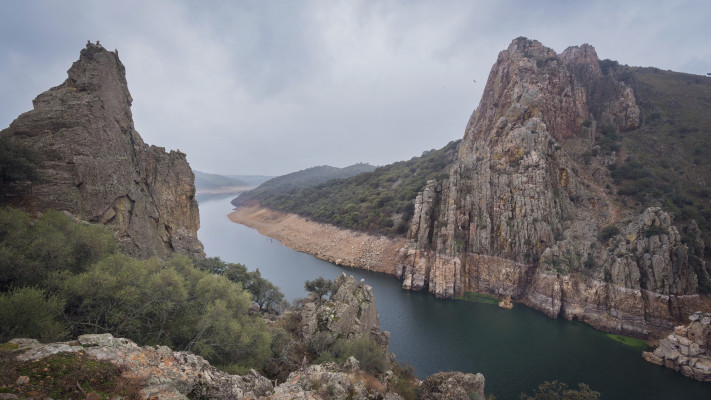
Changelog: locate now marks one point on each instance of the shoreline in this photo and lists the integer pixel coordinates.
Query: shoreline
(326, 242)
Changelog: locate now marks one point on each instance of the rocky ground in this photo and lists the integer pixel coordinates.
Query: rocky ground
(327, 242)
(687, 349)
(31, 370)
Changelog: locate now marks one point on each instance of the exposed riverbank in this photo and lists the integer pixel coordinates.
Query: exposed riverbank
(327, 242)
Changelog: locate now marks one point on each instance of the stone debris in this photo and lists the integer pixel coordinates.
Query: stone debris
(687, 349)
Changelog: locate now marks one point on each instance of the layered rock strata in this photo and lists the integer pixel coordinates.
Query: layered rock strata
(687, 349)
(521, 216)
(97, 167)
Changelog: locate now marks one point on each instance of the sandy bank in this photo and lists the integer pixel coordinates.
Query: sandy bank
(327, 242)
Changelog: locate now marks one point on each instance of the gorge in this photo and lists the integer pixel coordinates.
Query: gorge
(534, 207)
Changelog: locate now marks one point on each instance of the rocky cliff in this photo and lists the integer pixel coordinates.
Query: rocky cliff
(97, 167)
(526, 212)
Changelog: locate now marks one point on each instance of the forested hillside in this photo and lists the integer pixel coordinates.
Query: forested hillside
(379, 201)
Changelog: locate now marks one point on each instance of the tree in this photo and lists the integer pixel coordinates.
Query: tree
(559, 391)
(18, 162)
(320, 286)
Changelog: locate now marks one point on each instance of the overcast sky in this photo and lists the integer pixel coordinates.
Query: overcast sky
(271, 87)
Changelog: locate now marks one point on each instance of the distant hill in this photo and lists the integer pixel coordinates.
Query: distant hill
(293, 182)
(252, 180)
(380, 200)
(213, 181)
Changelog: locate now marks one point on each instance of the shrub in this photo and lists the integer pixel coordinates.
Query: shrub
(608, 232)
(365, 350)
(29, 312)
(654, 230)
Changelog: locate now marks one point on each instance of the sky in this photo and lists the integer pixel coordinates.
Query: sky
(271, 87)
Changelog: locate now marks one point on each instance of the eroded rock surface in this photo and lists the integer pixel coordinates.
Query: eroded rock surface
(166, 374)
(687, 349)
(349, 313)
(521, 215)
(97, 167)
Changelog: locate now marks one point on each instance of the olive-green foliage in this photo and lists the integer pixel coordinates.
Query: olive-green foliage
(559, 391)
(17, 163)
(264, 293)
(29, 251)
(80, 276)
(320, 286)
(372, 358)
(608, 232)
(167, 302)
(29, 312)
(379, 201)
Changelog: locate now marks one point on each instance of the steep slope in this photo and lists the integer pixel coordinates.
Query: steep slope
(528, 209)
(97, 167)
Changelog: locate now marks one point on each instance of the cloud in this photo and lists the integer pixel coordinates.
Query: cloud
(271, 87)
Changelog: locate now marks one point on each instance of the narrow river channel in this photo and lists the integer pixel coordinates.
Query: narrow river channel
(515, 349)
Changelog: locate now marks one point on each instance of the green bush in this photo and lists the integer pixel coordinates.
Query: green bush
(365, 350)
(30, 313)
(608, 232)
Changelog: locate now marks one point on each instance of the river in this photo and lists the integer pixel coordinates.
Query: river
(514, 349)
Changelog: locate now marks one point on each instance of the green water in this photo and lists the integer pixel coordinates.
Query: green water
(515, 349)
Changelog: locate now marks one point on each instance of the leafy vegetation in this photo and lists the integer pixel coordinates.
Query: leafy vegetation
(560, 391)
(320, 286)
(59, 277)
(18, 163)
(381, 201)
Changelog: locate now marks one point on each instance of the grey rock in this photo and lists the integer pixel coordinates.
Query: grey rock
(97, 167)
(452, 386)
(519, 215)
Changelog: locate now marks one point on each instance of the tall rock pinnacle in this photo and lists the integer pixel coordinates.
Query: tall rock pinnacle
(521, 213)
(97, 167)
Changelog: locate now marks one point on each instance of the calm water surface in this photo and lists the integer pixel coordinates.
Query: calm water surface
(514, 349)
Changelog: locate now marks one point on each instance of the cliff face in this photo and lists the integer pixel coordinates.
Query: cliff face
(97, 167)
(521, 213)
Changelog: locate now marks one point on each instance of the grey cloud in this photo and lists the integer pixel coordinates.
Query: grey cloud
(268, 87)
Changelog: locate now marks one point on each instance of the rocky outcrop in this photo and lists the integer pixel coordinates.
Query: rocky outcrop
(687, 349)
(350, 312)
(165, 374)
(453, 386)
(97, 167)
(521, 215)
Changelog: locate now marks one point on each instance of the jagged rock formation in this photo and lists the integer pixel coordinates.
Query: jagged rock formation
(687, 349)
(97, 167)
(349, 313)
(521, 215)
